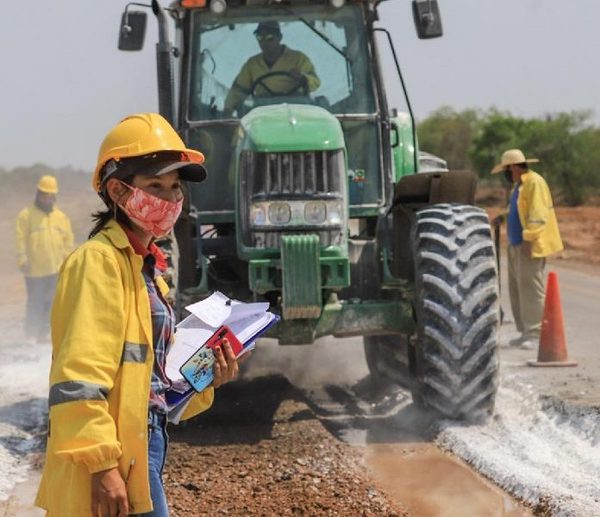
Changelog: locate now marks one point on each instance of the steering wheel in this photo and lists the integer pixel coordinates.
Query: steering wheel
(298, 86)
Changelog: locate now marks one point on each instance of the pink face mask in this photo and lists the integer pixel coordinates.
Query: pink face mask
(152, 214)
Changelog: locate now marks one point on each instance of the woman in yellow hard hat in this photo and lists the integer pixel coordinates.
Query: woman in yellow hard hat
(43, 240)
(110, 329)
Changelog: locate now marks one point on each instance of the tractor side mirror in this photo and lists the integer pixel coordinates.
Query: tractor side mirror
(428, 21)
(132, 30)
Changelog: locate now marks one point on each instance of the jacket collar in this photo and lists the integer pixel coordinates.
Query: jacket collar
(116, 235)
(526, 176)
(120, 239)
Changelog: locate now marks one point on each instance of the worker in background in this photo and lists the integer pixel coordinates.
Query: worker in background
(44, 239)
(292, 70)
(532, 236)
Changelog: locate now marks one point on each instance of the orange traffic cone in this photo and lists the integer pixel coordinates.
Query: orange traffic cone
(553, 344)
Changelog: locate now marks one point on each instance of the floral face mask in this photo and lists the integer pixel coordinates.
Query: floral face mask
(152, 214)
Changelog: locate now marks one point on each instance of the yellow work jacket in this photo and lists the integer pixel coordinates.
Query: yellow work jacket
(536, 213)
(43, 240)
(102, 361)
(256, 67)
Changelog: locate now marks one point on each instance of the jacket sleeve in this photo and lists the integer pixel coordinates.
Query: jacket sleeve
(537, 213)
(308, 70)
(240, 88)
(88, 331)
(22, 231)
(199, 403)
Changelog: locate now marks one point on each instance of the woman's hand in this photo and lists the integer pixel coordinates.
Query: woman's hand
(109, 494)
(226, 367)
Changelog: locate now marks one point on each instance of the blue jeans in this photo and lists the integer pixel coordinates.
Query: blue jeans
(157, 452)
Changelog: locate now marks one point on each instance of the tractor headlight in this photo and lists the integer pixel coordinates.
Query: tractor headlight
(258, 215)
(297, 213)
(315, 212)
(280, 213)
(335, 214)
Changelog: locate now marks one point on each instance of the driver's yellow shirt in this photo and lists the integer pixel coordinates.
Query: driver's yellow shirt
(256, 67)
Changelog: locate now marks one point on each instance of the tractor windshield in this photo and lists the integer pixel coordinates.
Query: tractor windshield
(257, 56)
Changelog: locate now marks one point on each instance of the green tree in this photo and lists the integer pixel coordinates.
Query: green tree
(449, 134)
(565, 143)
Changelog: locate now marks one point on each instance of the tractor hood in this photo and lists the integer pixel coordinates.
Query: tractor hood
(290, 128)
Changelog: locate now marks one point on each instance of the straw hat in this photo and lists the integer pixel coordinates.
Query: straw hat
(512, 157)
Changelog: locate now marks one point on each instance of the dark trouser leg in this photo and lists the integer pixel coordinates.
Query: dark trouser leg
(514, 286)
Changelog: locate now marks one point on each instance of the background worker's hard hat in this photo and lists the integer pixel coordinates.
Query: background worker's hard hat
(139, 135)
(48, 184)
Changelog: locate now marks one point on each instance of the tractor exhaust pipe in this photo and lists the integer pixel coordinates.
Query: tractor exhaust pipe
(164, 66)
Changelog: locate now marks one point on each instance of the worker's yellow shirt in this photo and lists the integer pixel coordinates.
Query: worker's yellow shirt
(256, 67)
(536, 212)
(44, 239)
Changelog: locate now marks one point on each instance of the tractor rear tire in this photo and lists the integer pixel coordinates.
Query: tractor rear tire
(457, 312)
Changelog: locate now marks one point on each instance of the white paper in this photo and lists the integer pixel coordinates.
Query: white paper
(213, 310)
(246, 328)
(243, 310)
(176, 412)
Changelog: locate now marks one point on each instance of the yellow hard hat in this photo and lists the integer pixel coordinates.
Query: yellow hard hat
(145, 134)
(48, 185)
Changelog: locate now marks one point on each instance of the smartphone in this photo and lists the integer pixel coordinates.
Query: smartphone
(198, 369)
(222, 333)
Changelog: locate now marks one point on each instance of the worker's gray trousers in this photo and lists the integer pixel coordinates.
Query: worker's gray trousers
(40, 292)
(526, 288)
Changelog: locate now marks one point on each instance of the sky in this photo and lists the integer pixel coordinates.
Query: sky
(65, 84)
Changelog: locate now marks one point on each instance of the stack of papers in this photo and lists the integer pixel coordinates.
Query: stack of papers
(246, 320)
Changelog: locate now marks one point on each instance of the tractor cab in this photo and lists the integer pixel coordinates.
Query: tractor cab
(322, 61)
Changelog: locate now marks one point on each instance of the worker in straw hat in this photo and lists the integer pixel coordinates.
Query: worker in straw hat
(111, 327)
(532, 236)
(43, 240)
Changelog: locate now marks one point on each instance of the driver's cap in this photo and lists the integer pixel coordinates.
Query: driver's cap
(268, 27)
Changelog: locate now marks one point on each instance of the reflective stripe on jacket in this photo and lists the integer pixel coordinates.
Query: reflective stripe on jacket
(100, 376)
(43, 240)
(281, 84)
(536, 212)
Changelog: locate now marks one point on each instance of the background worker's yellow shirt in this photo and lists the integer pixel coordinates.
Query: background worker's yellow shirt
(43, 240)
(537, 216)
(256, 67)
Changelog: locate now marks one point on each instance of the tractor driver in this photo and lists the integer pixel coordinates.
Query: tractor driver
(277, 70)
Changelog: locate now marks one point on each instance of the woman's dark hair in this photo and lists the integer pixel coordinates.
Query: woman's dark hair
(112, 211)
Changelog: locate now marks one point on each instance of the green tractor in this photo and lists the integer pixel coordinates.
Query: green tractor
(314, 201)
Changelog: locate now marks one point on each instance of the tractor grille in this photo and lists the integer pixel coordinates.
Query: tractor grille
(291, 176)
(284, 174)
